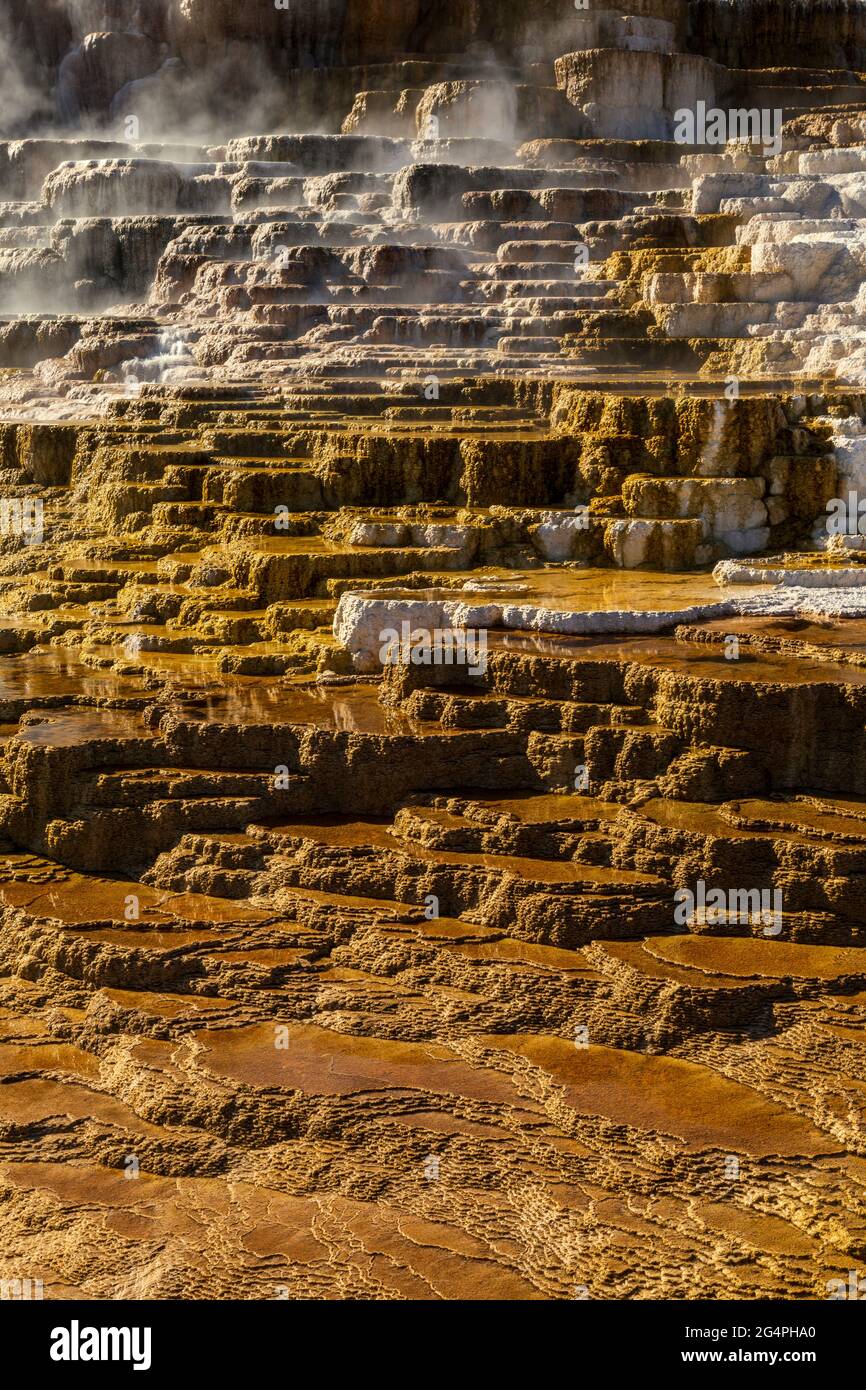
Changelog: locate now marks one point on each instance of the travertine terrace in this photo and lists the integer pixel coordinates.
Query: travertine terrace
(329, 975)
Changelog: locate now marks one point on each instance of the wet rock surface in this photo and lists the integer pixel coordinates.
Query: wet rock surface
(432, 696)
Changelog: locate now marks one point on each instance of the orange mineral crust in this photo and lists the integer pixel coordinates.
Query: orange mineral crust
(432, 650)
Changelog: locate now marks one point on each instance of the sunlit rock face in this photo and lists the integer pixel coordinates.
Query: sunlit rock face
(432, 629)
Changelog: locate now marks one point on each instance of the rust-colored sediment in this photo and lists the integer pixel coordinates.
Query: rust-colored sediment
(326, 979)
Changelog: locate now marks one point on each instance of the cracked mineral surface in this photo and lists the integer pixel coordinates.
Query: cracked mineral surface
(433, 632)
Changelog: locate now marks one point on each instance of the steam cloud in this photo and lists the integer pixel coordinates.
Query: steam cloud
(23, 100)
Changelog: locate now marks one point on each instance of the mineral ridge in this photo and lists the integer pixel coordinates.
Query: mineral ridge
(433, 630)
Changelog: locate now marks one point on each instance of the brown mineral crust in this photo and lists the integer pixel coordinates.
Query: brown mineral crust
(328, 978)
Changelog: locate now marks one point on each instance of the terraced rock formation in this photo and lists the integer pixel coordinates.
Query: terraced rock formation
(433, 630)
